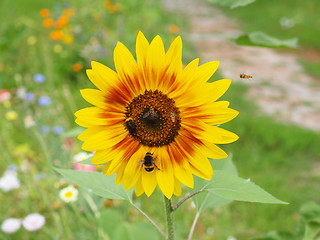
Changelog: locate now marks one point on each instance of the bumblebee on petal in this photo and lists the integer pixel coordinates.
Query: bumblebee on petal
(149, 162)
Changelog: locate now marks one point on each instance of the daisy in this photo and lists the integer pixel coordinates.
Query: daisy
(153, 121)
(69, 194)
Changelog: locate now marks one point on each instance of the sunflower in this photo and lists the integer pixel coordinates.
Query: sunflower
(153, 121)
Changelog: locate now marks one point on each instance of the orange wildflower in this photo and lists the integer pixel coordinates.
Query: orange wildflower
(107, 4)
(77, 67)
(68, 12)
(48, 22)
(174, 29)
(56, 35)
(44, 13)
(62, 22)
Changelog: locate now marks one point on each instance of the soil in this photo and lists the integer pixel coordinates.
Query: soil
(279, 85)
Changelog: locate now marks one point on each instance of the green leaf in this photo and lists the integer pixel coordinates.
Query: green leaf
(273, 235)
(86, 161)
(226, 165)
(228, 186)
(308, 227)
(262, 39)
(312, 231)
(101, 185)
(73, 132)
(206, 200)
(232, 3)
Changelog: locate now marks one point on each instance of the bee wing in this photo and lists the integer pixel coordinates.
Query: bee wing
(146, 114)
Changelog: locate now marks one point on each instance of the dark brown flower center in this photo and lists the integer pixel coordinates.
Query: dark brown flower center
(153, 119)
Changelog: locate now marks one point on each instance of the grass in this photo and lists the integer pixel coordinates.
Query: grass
(278, 157)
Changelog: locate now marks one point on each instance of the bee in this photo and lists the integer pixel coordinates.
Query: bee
(149, 162)
(151, 114)
(242, 75)
(173, 116)
(130, 125)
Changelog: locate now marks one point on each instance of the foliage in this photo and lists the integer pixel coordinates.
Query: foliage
(262, 39)
(308, 227)
(232, 3)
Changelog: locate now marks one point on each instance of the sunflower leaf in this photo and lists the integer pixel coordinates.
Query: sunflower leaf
(231, 187)
(260, 38)
(86, 161)
(232, 3)
(206, 200)
(101, 185)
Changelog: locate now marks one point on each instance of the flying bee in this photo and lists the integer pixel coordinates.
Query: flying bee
(151, 114)
(130, 125)
(149, 162)
(244, 76)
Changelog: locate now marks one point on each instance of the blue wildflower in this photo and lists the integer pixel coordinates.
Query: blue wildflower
(44, 129)
(29, 97)
(12, 168)
(44, 101)
(39, 78)
(58, 130)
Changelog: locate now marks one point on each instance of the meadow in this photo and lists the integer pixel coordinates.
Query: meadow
(42, 69)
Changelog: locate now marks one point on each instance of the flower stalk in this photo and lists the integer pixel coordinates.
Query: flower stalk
(169, 217)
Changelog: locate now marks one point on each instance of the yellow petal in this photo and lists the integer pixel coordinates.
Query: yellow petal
(205, 71)
(142, 46)
(165, 174)
(177, 188)
(138, 188)
(201, 162)
(98, 116)
(101, 141)
(218, 88)
(183, 173)
(95, 97)
(106, 74)
(127, 68)
(221, 116)
(133, 169)
(218, 135)
(120, 171)
(155, 62)
(103, 156)
(149, 181)
(213, 151)
(201, 174)
(97, 81)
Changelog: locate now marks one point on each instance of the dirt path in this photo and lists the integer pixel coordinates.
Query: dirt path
(279, 87)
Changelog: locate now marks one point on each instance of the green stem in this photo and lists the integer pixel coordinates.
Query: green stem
(169, 215)
(185, 199)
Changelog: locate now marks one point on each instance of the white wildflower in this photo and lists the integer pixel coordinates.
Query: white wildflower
(11, 225)
(69, 194)
(9, 181)
(33, 222)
